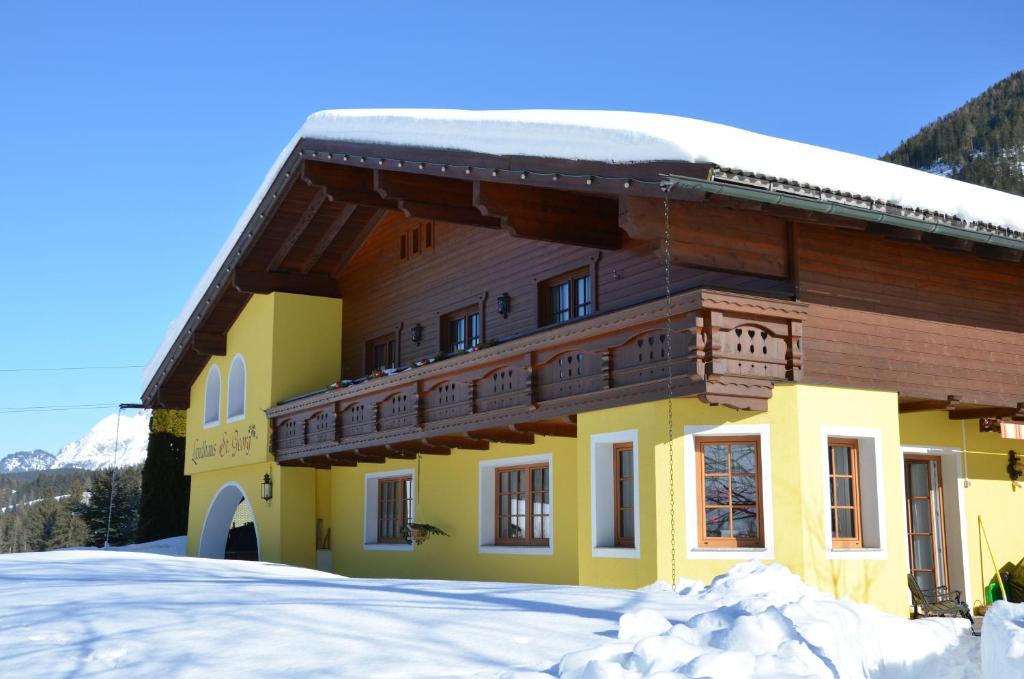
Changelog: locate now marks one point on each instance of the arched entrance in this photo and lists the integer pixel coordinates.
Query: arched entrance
(229, 531)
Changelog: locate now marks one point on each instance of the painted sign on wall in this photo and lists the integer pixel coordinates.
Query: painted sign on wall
(235, 443)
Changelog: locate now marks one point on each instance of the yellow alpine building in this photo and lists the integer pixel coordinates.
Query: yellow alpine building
(478, 358)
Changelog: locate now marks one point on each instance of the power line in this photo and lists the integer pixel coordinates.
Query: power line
(69, 368)
(55, 408)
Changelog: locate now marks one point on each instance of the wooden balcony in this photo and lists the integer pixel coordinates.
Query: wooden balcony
(727, 348)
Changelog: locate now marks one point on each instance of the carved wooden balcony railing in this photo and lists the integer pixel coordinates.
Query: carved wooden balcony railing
(727, 348)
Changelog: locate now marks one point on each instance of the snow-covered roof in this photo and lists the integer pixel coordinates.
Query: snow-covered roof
(625, 138)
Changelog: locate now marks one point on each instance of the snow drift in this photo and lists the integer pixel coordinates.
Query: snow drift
(1002, 641)
(138, 612)
(761, 621)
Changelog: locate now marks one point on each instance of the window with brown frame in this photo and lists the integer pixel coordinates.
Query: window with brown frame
(566, 297)
(394, 508)
(729, 486)
(624, 501)
(461, 330)
(523, 505)
(381, 353)
(844, 489)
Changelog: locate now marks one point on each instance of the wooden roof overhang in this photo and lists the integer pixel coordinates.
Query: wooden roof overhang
(329, 195)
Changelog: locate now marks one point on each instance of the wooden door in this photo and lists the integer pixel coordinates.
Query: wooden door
(925, 530)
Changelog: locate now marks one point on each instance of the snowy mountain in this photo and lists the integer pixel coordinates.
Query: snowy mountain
(27, 461)
(95, 450)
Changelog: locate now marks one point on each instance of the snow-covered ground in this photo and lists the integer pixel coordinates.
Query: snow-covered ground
(1002, 648)
(135, 613)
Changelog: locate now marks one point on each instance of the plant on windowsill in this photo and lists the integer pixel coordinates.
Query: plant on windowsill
(418, 533)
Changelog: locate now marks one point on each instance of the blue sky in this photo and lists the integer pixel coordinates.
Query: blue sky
(132, 137)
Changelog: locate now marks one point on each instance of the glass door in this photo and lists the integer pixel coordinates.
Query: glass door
(925, 523)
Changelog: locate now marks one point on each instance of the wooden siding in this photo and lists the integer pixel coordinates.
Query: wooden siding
(907, 317)
(383, 292)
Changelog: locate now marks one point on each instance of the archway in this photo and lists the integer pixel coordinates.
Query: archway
(229, 530)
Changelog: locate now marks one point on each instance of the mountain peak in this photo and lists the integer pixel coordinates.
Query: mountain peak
(95, 450)
(27, 461)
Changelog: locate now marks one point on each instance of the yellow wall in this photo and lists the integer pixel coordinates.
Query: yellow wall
(285, 526)
(448, 497)
(990, 495)
(796, 416)
(291, 344)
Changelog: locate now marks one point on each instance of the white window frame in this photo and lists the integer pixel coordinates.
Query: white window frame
(869, 443)
(602, 494)
(214, 370)
(370, 509)
(485, 515)
(236, 361)
(703, 431)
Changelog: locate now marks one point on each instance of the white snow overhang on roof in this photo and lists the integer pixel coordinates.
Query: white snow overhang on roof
(625, 137)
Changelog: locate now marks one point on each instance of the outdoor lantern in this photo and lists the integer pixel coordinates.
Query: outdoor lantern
(504, 304)
(1015, 469)
(417, 334)
(267, 488)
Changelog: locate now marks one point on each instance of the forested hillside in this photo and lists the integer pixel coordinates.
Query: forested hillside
(981, 142)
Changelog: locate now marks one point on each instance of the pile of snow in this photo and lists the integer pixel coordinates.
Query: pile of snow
(95, 450)
(762, 621)
(27, 461)
(131, 613)
(625, 137)
(1002, 640)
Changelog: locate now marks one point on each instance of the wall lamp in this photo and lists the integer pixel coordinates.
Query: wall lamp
(267, 488)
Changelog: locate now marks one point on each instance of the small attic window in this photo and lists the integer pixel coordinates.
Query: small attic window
(211, 405)
(236, 389)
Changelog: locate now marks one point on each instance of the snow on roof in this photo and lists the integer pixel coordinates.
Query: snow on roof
(625, 137)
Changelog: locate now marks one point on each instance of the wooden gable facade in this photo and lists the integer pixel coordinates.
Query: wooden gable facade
(411, 239)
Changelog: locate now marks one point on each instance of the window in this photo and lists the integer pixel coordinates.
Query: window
(844, 489)
(523, 505)
(394, 508)
(624, 501)
(462, 330)
(416, 240)
(236, 389)
(211, 407)
(389, 504)
(382, 353)
(729, 485)
(566, 297)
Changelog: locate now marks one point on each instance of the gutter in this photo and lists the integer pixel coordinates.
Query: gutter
(824, 206)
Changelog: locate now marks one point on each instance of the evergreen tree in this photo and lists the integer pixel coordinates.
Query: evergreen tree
(163, 511)
(981, 142)
(123, 514)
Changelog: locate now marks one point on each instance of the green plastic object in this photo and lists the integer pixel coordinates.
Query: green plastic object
(992, 593)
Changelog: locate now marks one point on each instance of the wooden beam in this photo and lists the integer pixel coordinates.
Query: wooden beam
(420, 447)
(942, 242)
(210, 343)
(345, 184)
(355, 240)
(972, 413)
(338, 460)
(298, 229)
(549, 428)
(951, 403)
(329, 235)
(464, 442)
(427, 197)
(261, 283)
(502, 435)
(551, 214)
